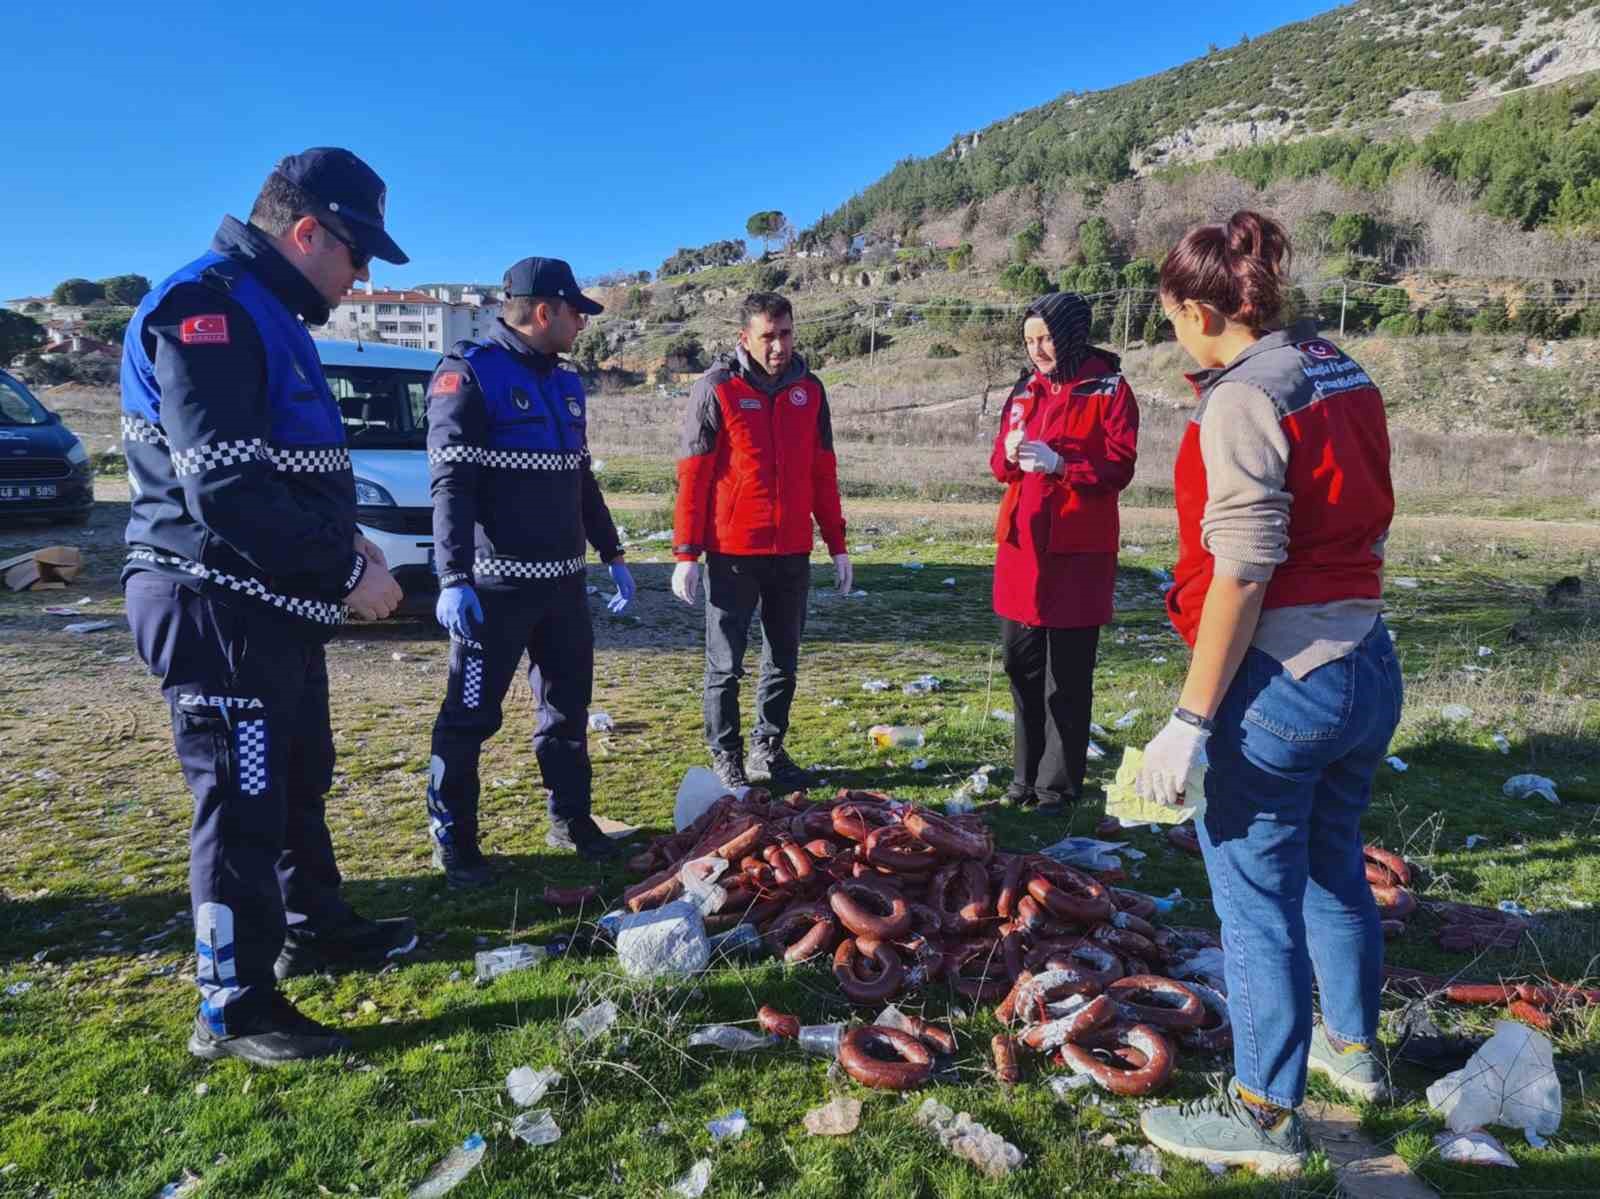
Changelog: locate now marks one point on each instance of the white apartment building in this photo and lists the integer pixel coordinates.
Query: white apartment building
(415, 319)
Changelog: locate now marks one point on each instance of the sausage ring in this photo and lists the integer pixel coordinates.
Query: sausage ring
(778, 1024)
(1011, 890)
(1143, 1079)
(885, 1058)
(822, 849)
(1006, 1069)
(1216, 1034)
(864, 985)
(854, 821)
(948, 837)
(1522, 1010)
(1070, 894)
(1032, 916)
(1066, 1029)
(1161, 1002)
(1134, 903)
(1134, 924)
(895, 847)
(940, 1040)
(1185, 838)
(1097, 965)
(1125, 941)
(1396, 903)
(959, 892)
(852, 902)
(1388, 862)
(802, 931)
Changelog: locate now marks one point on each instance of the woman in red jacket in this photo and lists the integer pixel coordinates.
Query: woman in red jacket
(1067, 445)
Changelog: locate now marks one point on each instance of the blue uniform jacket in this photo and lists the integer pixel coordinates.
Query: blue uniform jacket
(514, 497)
(241, 483)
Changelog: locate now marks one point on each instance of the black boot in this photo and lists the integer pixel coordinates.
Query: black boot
(582, 834)
(770, 762)
(354, 944)
(728, 766)
(281, 1035)
(465, 868)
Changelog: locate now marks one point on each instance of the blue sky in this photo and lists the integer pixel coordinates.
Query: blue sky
(605, 133)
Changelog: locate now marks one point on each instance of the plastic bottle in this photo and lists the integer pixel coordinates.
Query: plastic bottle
(591, 1022)
(536, 1128)
(492, 963)
(735, 1040)
(450, 1172)
(896, 736)
(821, 1040)
(741, 939)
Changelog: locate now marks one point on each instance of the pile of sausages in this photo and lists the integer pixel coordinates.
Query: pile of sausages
(1538, 1004)
(1389, 876)
(899, 898)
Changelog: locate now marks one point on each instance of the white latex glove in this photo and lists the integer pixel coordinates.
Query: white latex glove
(843, 573)
(686, 581)
(1169, 757)
(1012, 441)
(1038, 457)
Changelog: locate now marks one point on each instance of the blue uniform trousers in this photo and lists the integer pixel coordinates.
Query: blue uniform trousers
(549, 620)
(248, 694)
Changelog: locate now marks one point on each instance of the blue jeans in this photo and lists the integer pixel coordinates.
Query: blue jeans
(1291, 769)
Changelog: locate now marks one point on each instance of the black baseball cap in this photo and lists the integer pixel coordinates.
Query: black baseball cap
(551, 278)
(351, 192)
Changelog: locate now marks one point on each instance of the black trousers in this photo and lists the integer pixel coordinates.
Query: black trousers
(736, 586)
(248, 693)
(1052, 692)
(549, 620)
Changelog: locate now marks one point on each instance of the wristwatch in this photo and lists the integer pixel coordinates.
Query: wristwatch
(1194, 718)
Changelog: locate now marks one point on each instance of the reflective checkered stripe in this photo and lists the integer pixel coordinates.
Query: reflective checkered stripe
(251, 736)
(302, 462)
(507, 459)
(201, 458)
(515, 568)
(137, 429)
(308, 609)
(472, 683)
(214, 972)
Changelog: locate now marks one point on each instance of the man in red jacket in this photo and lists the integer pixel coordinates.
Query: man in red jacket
(757, 464)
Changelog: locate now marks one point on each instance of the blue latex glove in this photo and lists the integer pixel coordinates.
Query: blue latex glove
(458, 611)
(624, 581)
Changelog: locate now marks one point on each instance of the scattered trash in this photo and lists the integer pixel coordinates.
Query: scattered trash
(966, 1138)
(86, 626)
(1141, 1159)
(740, 939)
(492, 963)
(950, 582)
(20, 988)
(911, 566)
(1511, 1080)
(875, 685)
(1456, 712)
(527, 1086)
(1096, 754)
(1472, 1149)
(837, 1118)
(922, 685)
(1521, 786)
(919, 763)
(1097, 731)
(453, 1170)
(1475, 839)
(858, 594)
(1485, 652)
(1158, 660)
(693, 1184)
(1125, 721)
(734, 1040)
(1514, 908)
(591, 1022)
(699, 789)
(47, 569)
(1062, 1085)
(670, 939)
(1003, 716)
(601, 722)
(1125, 804)
(536, 1128)
(187, 1185)
(821, 1040)
(1406, 584)
(1501, 742)
(60, 610)
(1398, 766)
(728, 1128)
(1086, 853)
(896, 736)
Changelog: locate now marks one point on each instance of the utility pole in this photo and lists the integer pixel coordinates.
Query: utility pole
(872, 356)
(1127, 318)
(1344, 295)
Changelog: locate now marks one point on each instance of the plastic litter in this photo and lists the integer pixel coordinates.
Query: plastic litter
(601, 722)
(875, 685)
(1141, 1159)
(734, 1040)
(536, 1128)
(1062, 1085)
(1125, 721)
(728, 1128)
(669, 940)
(1406, 584)
(60, 610)
(700, 887)
(896, 736)
(921, 685)
(1501, 742)
(964, 1137)
(1097, 730)
(1096, 753)
(693, 1184)
(452, 1170)
(1511, 1080)
(1472, 1149)
(492, 963)
(741, 939)
(178, 1188)
(1514, 908)
(1396, 764)
(86, 626)
(1086, 853)
(1456, 712)
(821, 1040)
(591, 1022)
(527, 1086)
(1521, 786)
(1003, 716)
(20, 988)
(1125, 804)
(911, 566)
(919, 763)
(1475, 839)
(950, 582)
(698, 790)
(1485, 652)
(837, 1118)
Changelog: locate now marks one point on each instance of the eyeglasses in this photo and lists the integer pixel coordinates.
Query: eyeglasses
(359, 258)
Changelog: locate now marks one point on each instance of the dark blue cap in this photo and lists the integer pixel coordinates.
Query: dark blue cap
(551, 278)
(351, 192)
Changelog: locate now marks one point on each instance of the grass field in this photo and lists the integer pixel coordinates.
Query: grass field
(100, 1098)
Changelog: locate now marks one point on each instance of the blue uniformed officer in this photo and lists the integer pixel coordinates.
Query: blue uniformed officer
(514, 500)
(244, 560)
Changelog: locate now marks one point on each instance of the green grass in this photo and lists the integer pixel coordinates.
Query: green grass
(101, 1099)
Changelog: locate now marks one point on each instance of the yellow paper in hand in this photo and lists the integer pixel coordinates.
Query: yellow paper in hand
(1123, 802)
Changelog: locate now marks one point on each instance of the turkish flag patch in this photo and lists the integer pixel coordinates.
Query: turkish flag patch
(447, 384)
(208, 330)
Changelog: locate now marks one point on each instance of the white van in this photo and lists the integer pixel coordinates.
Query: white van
(383, 396)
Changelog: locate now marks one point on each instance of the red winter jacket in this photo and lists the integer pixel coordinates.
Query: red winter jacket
(1057, 535)
(1342, 500)
(756, 465)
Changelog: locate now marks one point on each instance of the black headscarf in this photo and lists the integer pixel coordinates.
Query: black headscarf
(1068, 317)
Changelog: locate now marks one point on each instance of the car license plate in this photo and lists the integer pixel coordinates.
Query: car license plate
(28, 491)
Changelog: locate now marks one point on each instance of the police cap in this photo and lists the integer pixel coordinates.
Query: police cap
(350, 190)
(551, 278)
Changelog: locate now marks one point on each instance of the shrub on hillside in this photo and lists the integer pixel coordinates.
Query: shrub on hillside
(1096, 241)
(770, 276)
(943, 349)
(1445, 318)
(947, 316)
(1589, 321)
(960, 258)
(1025, 281)
(1491, 318)
(1027, 241)
(1400, 325)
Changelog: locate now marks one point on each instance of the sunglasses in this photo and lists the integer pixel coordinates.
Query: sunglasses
(359, 258)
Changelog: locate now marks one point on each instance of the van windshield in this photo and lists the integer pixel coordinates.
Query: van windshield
(382, 408)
